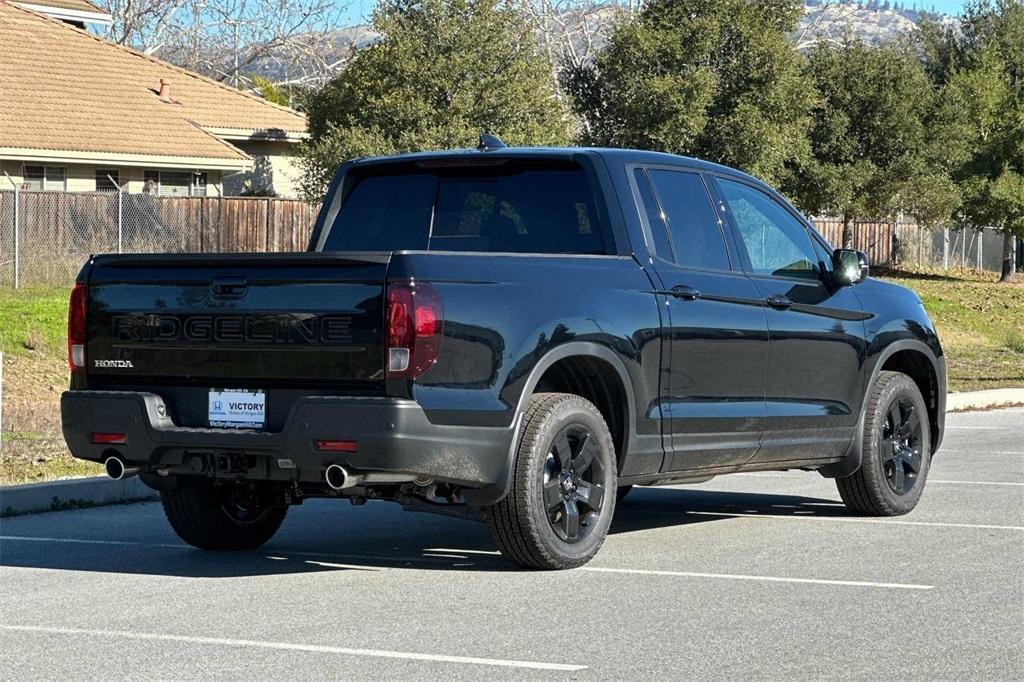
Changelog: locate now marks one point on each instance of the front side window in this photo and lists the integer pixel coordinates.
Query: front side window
(697, 238)
(776, 242)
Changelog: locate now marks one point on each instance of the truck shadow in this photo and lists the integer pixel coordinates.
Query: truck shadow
(326, 536)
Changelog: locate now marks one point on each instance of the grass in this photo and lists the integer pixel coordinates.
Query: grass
(32, 319)
(32, 329)
(981, 325)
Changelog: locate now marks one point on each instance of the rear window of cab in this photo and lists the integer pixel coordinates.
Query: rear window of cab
(503, 208)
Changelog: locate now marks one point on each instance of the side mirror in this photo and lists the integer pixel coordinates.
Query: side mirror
(849, 266)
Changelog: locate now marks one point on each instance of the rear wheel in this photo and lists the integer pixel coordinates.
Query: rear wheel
(222, 518)
(896, 450)
(560, 504)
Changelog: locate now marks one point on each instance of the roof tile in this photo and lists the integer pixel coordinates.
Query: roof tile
(64, 89)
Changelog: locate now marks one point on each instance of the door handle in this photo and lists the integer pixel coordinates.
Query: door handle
(779, 302)
(684, 292)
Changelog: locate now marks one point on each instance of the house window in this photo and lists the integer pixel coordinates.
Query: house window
(108, 180)
(176, 183)
(199, 184)
(48, 178)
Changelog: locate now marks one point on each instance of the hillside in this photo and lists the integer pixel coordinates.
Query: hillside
(588, 27)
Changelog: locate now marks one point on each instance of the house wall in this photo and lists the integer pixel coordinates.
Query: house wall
(276, 168)
(82, 177)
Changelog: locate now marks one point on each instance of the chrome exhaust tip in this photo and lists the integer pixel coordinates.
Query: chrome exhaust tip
(118, 470)
(337, 478)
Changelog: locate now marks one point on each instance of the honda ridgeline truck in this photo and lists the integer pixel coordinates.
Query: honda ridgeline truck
(520, 335)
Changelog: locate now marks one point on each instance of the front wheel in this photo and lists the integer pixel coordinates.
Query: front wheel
(896, 450)
(222, 518)
(560, 504)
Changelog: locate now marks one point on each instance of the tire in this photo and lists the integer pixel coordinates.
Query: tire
(896, 450)
(209, 517)
(565, 460)
(622, 492)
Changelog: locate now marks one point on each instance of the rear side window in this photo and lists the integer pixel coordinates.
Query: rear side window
(483, 209)
(697, 238)
(655, 219)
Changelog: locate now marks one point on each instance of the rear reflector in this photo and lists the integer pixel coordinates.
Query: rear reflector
(337, 446)
(109, 439)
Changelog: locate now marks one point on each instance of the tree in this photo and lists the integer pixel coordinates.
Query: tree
(710, 78)
(224, 38)
(981, 70)
(871, 153)
(445, 71)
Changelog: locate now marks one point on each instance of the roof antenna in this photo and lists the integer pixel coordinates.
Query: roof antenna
(490, 142)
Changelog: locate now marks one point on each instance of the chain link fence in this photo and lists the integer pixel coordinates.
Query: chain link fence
(945, 248)
(45, 237)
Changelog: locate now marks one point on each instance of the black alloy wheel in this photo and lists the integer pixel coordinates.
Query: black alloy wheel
(895, 449)
(561, 499)
(573, 484)
(900, 446)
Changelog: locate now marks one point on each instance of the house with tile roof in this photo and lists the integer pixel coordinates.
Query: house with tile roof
(81, 114)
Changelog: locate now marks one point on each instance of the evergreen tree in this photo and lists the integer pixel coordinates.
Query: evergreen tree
(872, 156)
(715, 79)
(443, 72)
(980, 69)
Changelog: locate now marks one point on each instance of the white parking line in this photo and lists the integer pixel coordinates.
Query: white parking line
(763, 578)
(288, 646)
(944, 451)
(783, 474)
(942, 482)
(87, 541)
(430, 557)
(847, 519)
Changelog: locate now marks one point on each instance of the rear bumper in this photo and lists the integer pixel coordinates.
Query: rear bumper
(393, 436)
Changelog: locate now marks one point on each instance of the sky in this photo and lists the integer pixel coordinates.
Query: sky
(358, 11)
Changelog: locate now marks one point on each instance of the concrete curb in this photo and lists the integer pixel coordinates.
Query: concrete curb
(71, 494)
(979, 400)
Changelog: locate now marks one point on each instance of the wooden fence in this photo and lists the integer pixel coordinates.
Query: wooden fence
(56, 231)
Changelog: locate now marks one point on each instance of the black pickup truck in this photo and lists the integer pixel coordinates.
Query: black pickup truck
(514, 334)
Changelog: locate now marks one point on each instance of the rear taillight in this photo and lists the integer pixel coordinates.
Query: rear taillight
(76, 328)
(415, 321)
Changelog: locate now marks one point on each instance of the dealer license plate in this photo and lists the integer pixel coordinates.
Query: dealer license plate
(237, 409)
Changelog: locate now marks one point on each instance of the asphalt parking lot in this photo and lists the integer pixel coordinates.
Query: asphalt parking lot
(746, 576)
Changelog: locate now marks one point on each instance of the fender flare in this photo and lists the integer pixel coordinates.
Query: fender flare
(495, 492)
(855, 452)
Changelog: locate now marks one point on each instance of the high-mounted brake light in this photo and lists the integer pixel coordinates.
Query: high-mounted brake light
(415, 322)
(76, 328)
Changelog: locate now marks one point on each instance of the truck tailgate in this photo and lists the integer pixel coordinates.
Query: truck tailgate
(251, 321)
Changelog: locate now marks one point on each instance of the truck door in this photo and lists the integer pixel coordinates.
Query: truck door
(816, 347)
(716, 334)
